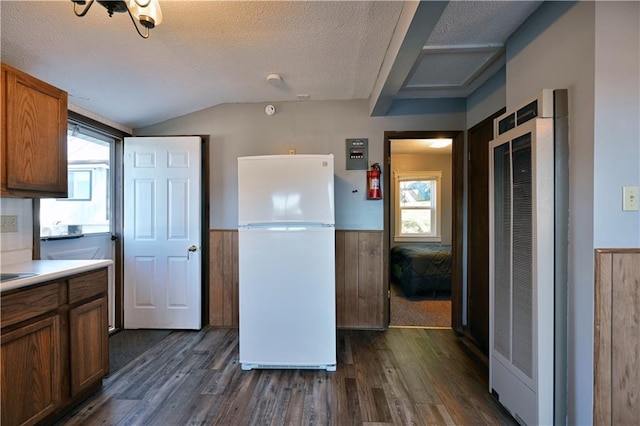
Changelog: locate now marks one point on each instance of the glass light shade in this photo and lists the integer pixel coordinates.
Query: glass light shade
(152, 10)
(440, 143)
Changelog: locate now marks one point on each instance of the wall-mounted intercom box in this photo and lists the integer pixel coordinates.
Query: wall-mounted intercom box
(357, 154)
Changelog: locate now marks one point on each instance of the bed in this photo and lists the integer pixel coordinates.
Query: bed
(421, 269)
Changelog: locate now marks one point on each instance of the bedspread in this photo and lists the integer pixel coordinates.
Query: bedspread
(421, 268)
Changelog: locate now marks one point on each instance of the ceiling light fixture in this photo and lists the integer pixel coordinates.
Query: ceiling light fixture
(145, 12)
(439, 143)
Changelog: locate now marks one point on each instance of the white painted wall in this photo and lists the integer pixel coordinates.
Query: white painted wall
(555, 49)
(487, 99)
(617, 122)
(310, 127)
(16, 247)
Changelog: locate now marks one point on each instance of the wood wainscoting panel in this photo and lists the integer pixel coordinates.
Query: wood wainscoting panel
(359, 279)
(223, 278)
(616, 396)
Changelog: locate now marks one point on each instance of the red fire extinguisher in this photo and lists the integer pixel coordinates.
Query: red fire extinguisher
(373, 183)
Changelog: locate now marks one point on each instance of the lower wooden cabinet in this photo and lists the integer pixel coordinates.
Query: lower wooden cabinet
(31, 372)
(54, 346)
(89, 349)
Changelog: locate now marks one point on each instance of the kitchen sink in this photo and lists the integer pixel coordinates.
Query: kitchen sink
(8, 276)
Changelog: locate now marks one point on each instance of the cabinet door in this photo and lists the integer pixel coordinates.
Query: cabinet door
(36, 136)
(31, 355)
(89, 339)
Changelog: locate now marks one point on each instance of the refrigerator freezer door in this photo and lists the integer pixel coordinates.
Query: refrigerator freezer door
(285, 189)
(287, 298)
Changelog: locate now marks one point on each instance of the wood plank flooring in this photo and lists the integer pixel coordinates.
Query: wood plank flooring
(398, 377)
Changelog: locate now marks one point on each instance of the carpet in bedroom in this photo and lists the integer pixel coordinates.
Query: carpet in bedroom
(419, 312)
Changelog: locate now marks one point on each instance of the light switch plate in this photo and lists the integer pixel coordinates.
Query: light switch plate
(8, 223)
(630, 200)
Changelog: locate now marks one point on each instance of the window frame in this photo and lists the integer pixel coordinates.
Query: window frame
(71, 196)
(436, 214)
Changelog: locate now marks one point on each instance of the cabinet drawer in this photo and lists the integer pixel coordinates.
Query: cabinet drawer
(28, 303)
(87, 285)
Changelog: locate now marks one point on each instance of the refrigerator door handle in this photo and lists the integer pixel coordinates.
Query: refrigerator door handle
(283, 225)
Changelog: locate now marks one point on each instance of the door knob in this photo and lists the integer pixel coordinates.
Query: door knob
(193, 248)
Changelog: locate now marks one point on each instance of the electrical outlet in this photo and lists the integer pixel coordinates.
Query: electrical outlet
(9, 223)
(630, 198)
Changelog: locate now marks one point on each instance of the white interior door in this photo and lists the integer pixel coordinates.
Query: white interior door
(162, 232)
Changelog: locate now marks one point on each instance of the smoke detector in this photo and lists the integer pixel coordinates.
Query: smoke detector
(274, 79)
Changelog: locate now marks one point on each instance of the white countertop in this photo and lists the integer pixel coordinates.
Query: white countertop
(47, 270)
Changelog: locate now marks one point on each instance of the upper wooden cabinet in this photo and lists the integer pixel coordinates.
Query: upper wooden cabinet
(34, 137)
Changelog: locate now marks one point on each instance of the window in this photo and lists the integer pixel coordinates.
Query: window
(79, 185)
(417, 206)
(87, 208)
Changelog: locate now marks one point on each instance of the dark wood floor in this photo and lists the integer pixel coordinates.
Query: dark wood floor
(401, 377)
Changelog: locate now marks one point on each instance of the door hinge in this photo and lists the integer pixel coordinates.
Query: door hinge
(388, 294)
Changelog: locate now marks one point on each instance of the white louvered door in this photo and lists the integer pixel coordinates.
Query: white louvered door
(521, 271)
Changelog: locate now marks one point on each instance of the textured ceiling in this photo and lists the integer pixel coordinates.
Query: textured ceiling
(206, 53)
(465, 48)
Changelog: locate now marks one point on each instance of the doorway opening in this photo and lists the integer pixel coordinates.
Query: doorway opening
(420, 232)
(421, 213)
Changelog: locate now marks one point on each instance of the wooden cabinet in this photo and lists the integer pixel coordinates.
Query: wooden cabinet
(31, 372)
(89, 348)
(88, 326)
(54, 346)
(34, 137)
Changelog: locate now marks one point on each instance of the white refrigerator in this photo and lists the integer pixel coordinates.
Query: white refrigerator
(286, 238)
